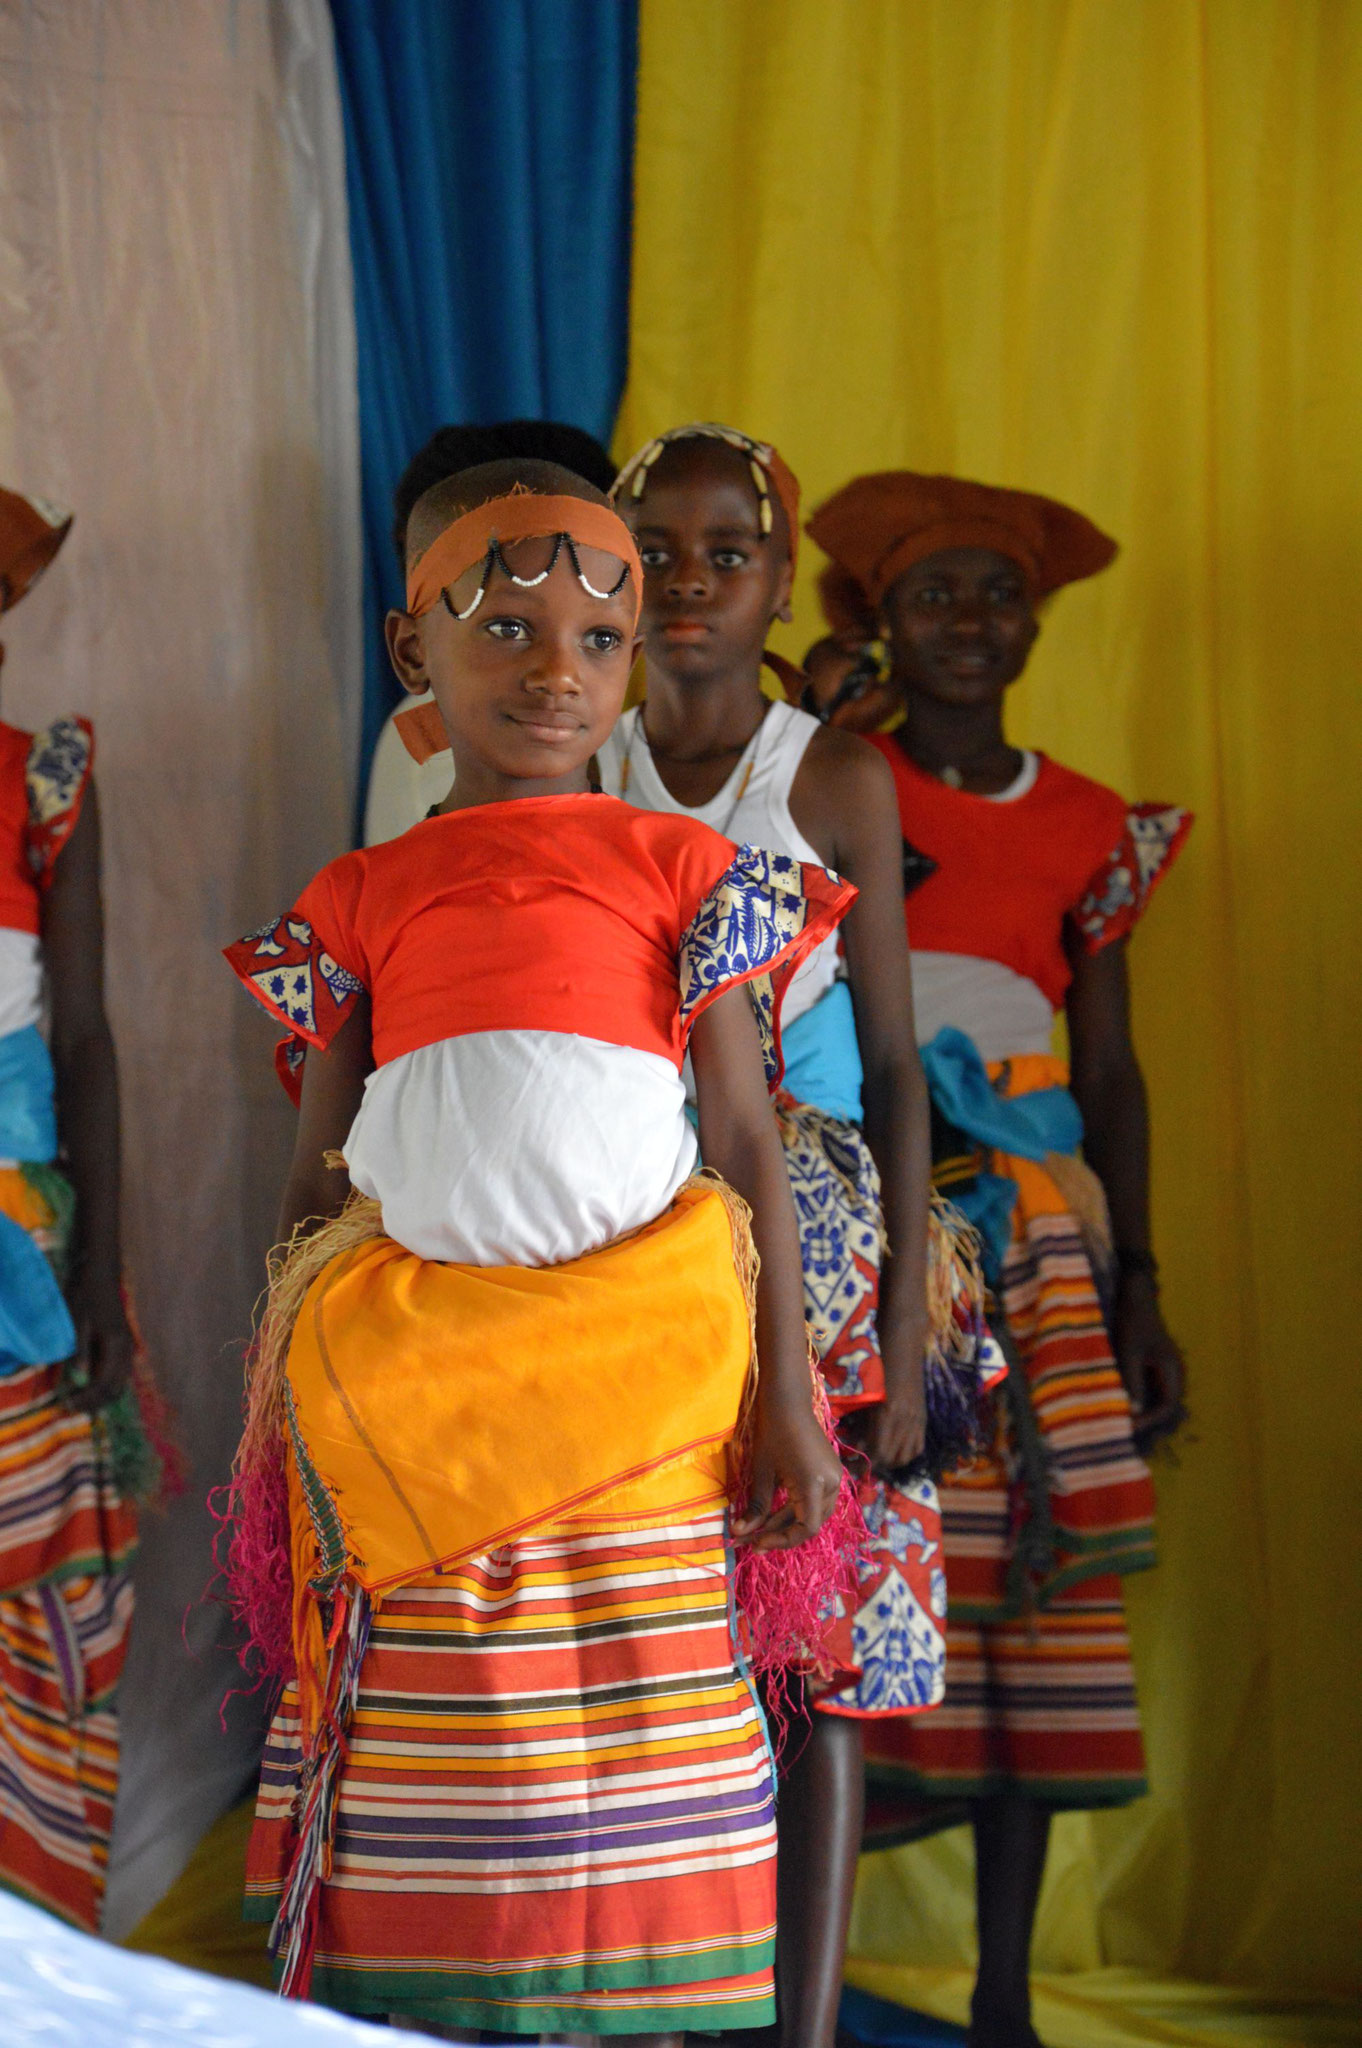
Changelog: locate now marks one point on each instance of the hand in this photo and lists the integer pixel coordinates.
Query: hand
(1148, 1360)
(893, 1432)
(102, 1365)
(830, 664)
(790, 1457)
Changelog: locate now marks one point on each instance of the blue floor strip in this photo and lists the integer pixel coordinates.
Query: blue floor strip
(879, 2024)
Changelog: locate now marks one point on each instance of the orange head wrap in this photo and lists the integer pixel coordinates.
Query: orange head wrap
(769, 472)
(877, 526)
(31, 531)
(477, 536)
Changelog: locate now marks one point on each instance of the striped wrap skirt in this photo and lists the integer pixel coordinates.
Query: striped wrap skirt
(1037, 1535)
(556, 1806)
(66, 1541)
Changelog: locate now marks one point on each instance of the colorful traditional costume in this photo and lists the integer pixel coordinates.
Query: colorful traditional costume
(520, 1779)
(1040, 1692)
(67, 1526)
(66, 1530)
(889, 1647)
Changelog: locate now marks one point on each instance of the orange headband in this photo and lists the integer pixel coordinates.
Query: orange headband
(524, 515)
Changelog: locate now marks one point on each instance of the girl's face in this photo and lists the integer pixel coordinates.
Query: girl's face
(960, 625)
(530, 685)
(712, 581)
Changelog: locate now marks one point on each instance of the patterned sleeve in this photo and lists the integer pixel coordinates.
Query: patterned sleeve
(57, 776)
(293, 972)
(762, 917)
(1118, 894)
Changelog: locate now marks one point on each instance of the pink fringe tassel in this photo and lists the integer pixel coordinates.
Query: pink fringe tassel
(253, 1524)
(787, 1598)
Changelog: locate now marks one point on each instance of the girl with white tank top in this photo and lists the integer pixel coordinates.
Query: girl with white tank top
(715, 516)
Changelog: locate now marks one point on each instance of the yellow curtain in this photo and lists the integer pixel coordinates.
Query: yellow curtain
(1109, 249)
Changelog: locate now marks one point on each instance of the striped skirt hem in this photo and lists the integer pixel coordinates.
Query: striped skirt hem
(555, 1810)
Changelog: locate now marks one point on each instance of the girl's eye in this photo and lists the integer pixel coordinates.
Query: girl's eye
(1006, 593)
(507, 629)
(933, 594)
(729, 558)
(653, 558)
(604, 639)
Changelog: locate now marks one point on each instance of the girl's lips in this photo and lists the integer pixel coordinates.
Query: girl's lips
(684, 629)
(551, 731)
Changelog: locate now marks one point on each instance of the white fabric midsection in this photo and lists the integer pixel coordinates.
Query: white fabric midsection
(21, 980)
(520, 1148)
(1003, 1012)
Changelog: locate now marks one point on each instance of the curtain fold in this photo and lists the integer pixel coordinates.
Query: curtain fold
(1108, 252)
(489, 154)
(157, 376)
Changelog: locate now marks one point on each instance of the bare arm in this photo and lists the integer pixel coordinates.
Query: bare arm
(857, 817)
(333, 1087)
(87, 1104)
(739, 1139)
(1109, 1088)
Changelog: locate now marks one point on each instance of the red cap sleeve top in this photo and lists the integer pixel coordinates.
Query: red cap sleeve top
(534, 968)
(991, 882)
(43, 780)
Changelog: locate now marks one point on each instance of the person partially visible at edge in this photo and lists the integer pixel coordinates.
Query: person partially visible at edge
(72, 1452)
(716, 518)
(518, 1778)
(401, 790)
(1023, 882)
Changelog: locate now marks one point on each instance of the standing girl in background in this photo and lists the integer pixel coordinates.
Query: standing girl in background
(1024, 881)
(507, 1381)
(71, 1445)
(716, 518)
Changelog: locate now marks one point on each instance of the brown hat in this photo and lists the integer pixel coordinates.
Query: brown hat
(877, 526)
(31, 531)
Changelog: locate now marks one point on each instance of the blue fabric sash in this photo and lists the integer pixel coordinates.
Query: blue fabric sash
(35, 1323)
(28, 1118)
(1046, 1120)
(822, 1058)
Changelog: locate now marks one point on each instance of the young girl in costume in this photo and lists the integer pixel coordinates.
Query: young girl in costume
(401, 790)
(716, 518)
(71, 1448)
(1024, 880)
(518, 1779)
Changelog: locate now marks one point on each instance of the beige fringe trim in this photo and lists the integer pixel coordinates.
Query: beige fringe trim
(953, 1259)
(293, 1268)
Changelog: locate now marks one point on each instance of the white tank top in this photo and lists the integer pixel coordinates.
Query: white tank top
(752, 808)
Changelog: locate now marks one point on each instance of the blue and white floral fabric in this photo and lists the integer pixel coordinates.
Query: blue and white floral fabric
(747, 929)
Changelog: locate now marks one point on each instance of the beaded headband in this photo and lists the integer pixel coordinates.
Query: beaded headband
(770, 473)
(480, 535)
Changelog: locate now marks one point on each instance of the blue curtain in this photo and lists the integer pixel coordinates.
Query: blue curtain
(489, 164)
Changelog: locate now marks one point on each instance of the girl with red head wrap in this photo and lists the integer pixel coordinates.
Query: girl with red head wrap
(1023, 881)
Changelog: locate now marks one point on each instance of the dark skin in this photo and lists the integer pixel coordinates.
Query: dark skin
(528, 688)
(713, 585)
(87, 1110)
(960, 626)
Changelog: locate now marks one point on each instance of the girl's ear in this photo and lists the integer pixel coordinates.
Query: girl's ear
(406, 651)
(784, 610)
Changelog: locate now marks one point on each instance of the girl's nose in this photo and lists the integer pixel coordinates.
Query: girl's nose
(689, 577)
(553, 671)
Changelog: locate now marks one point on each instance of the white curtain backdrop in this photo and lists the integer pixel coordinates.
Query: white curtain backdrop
(177, 365)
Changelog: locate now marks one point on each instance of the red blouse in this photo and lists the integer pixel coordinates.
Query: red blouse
(43, 780)
(999, 881)
(574, 914)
